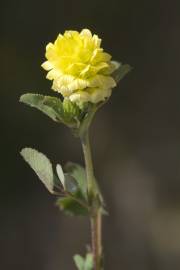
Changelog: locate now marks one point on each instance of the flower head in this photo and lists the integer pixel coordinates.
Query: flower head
(79, 67)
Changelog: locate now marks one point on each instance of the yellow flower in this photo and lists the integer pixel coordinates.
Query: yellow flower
(79, 67)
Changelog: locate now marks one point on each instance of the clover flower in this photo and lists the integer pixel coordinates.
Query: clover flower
(84, 75)
(79, 67)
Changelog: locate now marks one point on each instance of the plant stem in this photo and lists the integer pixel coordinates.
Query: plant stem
(94, 195)
(88, 163)
(96, 235)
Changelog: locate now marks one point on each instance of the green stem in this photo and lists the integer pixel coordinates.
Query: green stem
(88, 164)
(94, 195)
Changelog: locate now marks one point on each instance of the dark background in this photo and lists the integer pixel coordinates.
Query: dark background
(135, 137)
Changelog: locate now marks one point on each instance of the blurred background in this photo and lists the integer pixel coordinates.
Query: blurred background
(135, 137)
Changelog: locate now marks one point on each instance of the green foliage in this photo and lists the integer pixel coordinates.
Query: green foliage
(71, 184)
(41, 165)
(72, 201)
(79, 173)
(66, 112)
(60, 174)
(79, 261)
(88, 264)
(74, 182)
(84, 263)
(121, 72)
(51, 106)
(73, 205)
(68, 181)
(71, 110)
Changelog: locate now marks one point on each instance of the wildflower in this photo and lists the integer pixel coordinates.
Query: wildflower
(79, 67)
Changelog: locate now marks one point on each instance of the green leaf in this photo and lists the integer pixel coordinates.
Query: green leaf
(79, 262)
(51, 106)
(121, 72)
(79, 173)
(64, 112)
(71, 184)
(88, 264)
(41, 165)
(68, 181)
(71, 206)
(84, 264)
(60, 174)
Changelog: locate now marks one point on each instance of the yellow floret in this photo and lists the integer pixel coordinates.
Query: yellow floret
(79, 68)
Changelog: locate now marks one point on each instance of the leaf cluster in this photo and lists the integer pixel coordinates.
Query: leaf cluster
(70, 185)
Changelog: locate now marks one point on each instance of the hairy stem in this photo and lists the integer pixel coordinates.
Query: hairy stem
(94, 195)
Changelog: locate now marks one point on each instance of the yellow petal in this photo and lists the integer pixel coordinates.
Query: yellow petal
(69, 83)
(93, 95)
(102, 81)
(47, 65)
(97, 41)
(98, 95)
(86, 33)
(80, 97)
(53, 74)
